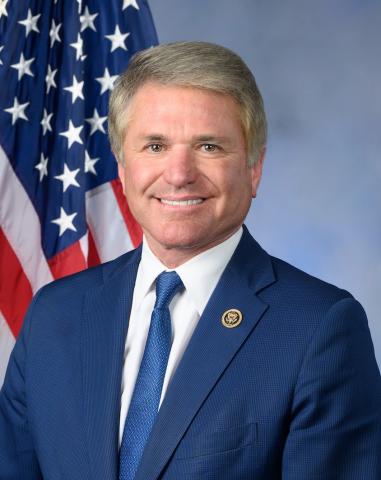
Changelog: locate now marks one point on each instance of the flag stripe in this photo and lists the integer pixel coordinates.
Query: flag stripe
(15, 290)
(84, 244)
(7, 342)
(68, 261)
(133, 227)
(21, 226)
(111, 239)
(93, 257)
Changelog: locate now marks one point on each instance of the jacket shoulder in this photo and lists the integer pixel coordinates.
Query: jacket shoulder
(78, 283)
(302, 295)
(293, 278)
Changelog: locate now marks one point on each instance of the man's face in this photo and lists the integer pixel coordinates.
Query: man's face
(186, 177)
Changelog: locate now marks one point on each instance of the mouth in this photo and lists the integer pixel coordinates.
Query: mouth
(181, 203)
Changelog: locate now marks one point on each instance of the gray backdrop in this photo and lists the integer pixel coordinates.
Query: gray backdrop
(318, 65)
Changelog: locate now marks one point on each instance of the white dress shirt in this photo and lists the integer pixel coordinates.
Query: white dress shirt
(200, 276)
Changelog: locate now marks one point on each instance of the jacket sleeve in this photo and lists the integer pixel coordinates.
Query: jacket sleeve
(335, 430)
(18, 459)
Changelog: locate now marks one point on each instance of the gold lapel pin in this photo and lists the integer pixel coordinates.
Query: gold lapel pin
(231, 318)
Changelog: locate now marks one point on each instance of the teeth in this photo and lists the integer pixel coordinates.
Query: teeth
(181, 203)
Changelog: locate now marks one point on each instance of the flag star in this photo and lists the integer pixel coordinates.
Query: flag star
(79, 5)
(117, 39)
(87, 20)
(73, 134)
(130, 3)
(90, 164)
(42, 167)
(53, 34)
(3, 8)
(76, 90)
(1, 49)
(78, 46)
(96, 122)
(49, 79)
(65, 221)
(45, 122)
(30, 23)
(17, 111)
(68, 177)
(23, 67)
(107, 81)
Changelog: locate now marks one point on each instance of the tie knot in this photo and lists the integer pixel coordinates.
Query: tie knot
(167, 285)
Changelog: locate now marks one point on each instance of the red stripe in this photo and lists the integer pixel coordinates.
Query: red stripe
(93, 256)
(133, 227)
(70, 260)
(15, 289)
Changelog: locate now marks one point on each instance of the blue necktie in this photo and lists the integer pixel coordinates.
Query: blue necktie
(149, 383)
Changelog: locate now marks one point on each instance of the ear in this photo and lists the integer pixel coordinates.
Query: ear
(256, 173)
(121, 172)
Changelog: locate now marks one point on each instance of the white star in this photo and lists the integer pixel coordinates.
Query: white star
(96, 122)
(68, 177)
(1, 49)
(49, 79)
(45, 122)
(53, 34)
(89, 164)
(23, 67)
(73, 134)
(30, 23)
(107, 81)
(117, 39)
(65, 221)
(76, 90)
(17, 111)
(79, 5)
(3, 7)
(42, 167)
(130, 3)
(78, 45)
(87, 20)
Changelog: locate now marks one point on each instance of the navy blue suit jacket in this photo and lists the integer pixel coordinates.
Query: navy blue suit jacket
(293, 392)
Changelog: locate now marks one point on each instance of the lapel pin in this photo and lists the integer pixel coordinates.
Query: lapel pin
(231, 318)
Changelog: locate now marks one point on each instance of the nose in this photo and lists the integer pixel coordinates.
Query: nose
(180, 169)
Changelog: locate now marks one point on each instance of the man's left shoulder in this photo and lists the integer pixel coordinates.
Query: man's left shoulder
(298, 284)
(309, 303)
(279, 281)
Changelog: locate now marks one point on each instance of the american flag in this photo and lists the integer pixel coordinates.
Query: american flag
(61, 203)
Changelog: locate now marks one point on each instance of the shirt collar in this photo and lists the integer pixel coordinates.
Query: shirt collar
(199, 275)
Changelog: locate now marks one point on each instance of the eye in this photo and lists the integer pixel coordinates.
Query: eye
(155, 147)
(209, 147)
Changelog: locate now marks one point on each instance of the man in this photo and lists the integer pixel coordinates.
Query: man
(229, 365)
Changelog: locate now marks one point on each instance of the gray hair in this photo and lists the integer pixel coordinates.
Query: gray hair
(191, 64)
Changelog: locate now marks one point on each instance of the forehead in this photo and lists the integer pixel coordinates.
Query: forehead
(156, 105)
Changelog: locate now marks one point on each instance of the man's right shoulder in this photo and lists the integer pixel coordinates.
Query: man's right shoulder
(79, 283)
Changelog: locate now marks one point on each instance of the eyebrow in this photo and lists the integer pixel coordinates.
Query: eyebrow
(155, 137)
(211, 138)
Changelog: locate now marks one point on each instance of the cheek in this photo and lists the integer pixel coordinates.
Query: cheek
(237, 193)
(234, 181)
(138, 177)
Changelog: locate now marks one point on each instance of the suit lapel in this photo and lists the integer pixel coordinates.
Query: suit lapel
(105, 323)
(210, 350)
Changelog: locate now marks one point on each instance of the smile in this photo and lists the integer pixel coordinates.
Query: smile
(181, 203)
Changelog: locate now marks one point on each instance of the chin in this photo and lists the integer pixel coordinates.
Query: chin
(181, 242)
(180, 237)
